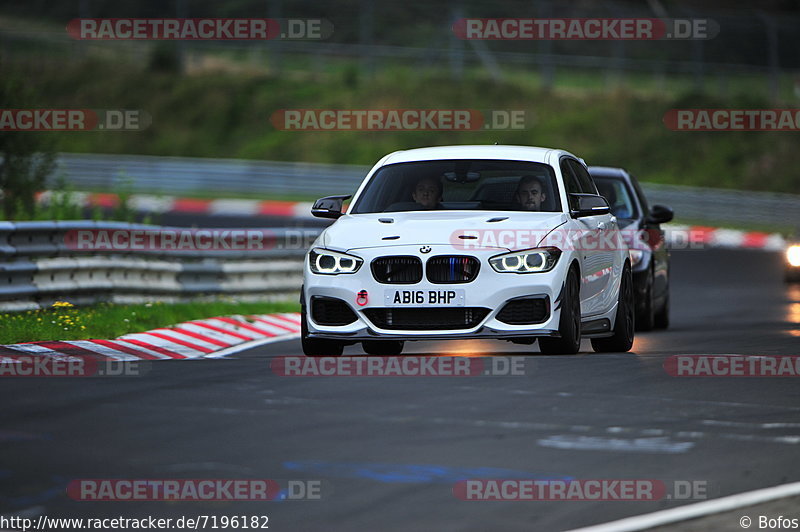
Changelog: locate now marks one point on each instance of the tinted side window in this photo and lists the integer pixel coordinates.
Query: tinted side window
(640, 195)
(570, 182)
(586, 183)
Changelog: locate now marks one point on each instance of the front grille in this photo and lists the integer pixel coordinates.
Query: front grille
(331, 311)
(426, 319)
(525, 311)
(397, 270)
(456, 269)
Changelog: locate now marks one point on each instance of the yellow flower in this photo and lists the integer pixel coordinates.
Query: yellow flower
(62, 304)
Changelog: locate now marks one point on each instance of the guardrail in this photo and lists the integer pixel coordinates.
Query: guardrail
(43, 262)
(266, 179)
(718, 206)
(38, 267)
(185, 175)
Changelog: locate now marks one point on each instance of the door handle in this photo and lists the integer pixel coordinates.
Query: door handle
(601, 225)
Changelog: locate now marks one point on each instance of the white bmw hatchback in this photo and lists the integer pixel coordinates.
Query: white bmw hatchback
(504, 242)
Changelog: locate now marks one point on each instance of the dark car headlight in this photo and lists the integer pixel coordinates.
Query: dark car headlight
(793, 255)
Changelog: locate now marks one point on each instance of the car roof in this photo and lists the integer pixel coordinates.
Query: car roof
(608, 171)
(480, 151)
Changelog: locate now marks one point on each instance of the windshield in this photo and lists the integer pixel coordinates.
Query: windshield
(619, 197)
(464, 184)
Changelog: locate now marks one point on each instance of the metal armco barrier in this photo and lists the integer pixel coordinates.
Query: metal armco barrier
(184, 175)
(38, 267)
(265, 179)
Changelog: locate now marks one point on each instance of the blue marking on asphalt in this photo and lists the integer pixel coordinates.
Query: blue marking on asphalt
(410, 473)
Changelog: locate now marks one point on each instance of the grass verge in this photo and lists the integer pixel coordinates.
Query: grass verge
(228, 115)
(107, 321)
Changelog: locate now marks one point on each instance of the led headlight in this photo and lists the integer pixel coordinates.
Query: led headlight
(328, 262)
(793, 255)
(528, 261)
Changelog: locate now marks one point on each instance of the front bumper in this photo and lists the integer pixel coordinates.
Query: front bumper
(485, 333)
(490, 290)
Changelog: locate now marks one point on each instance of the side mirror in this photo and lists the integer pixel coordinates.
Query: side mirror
(328, 207)
(660, 214)
(587, 205)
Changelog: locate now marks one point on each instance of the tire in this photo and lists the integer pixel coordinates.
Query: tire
(645, 320)
(384, 348)
(625, 322)
(661, 319)
(569, 324)
(317, 347)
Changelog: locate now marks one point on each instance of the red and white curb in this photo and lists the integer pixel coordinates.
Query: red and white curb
(689, 236)
(207, 338)
(166, 204)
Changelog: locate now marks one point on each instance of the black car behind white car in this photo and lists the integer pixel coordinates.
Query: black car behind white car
(641, 228)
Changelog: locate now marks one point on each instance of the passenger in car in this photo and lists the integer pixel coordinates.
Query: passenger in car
(530, 193)
(428, 193)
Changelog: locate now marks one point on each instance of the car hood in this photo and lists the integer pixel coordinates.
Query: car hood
(351, 232)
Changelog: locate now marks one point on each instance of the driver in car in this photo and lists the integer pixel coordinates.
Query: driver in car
(428, 193)
(530, 193)
(618, 209)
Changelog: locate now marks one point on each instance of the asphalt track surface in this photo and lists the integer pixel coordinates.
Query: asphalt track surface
(389, 449)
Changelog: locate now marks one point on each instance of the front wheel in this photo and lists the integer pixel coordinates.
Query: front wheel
(645, 320)
(569, 325)
(384, 348)
(317, 347)
(622, 340)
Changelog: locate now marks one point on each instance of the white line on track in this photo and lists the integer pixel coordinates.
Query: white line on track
(694, 511)
(250, 345)
(658, 444)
